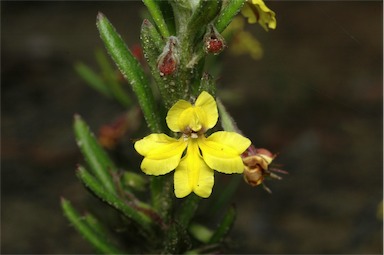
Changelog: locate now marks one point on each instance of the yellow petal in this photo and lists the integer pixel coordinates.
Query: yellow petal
(193, 174)
(248, 13)
(192, 119)
(174, 114)
(185, 117)
(259, 12)
(161, 153)
(208, 105)
(245, 43)
(221, 151)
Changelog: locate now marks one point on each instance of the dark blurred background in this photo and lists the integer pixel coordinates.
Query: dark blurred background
(315, 98)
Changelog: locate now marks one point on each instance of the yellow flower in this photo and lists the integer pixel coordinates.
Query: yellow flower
(245, 43)
(194, 171)
(257, 11)
(242, 42)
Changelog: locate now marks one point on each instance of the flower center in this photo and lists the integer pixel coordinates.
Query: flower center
(188, 132)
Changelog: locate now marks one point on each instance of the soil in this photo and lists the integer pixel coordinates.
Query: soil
(315, 98)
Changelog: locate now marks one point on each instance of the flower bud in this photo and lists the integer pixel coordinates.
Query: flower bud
(168, 60)
(213, 41)
(256, 166)
(253, 176)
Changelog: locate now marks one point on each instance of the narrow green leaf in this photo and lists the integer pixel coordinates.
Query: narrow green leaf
(129, 211)
(227, 122)
(201, 233)
(226, 195)
(92, 79)
(134, 181)
(157, 16)
(205, 249)
(110, 76)
(131, 69)
(225, 225)
(89, 233)
(96, 225)
(167, 11)
(205, 12)
(98, 160)
(169, 87)
(227, 13)
(149, 32)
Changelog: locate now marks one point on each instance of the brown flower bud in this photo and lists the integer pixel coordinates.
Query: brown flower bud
(169, 59)
(253, 176)
(256, 166)
(213, 41)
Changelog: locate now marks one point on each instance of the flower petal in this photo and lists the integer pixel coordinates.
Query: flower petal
(193, 118)
(221, 151)
(161, 153)
(257, 11)
(193, 174)
(208, 105)
(174, 114)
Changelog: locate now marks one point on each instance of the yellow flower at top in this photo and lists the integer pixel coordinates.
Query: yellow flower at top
(257, 11)
(240, 41)
(193, 169)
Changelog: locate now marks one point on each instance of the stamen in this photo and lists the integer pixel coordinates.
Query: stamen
(194, 135)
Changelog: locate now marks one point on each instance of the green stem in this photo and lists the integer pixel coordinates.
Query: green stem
(182, 12)
(162, 195)
(187, 210)
(177, 236)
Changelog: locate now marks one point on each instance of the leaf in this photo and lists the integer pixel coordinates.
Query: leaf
(88, 229)
(126, 209)
(225, 225)
(157, 16)
(227, 122)
(98, 160)
(204, 13)
(92, 79)
(110, 75)
(153, 46)
(227, 13)
(131, 70)
(200, 232)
